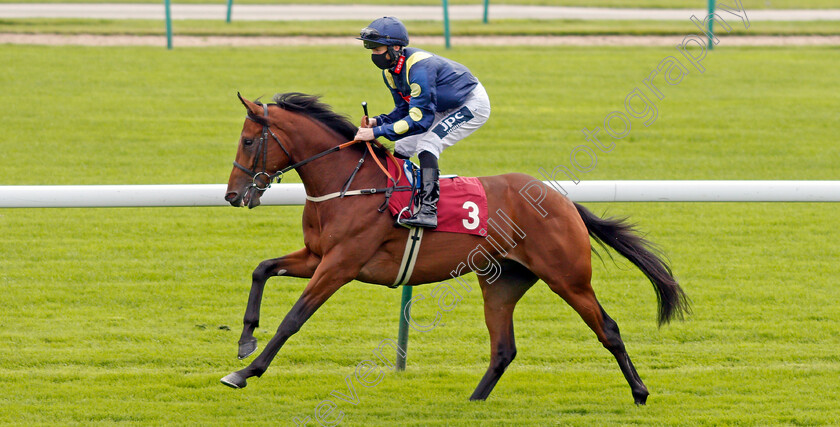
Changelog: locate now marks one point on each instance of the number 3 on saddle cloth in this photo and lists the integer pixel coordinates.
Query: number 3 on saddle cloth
(462, 207)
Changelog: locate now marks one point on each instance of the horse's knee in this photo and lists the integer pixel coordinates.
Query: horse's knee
(264, 270)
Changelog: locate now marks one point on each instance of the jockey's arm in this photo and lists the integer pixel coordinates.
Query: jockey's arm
(400, 110)
(417, 115)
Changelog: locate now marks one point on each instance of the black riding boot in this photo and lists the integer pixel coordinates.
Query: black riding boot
(429, 194)
(426, 216)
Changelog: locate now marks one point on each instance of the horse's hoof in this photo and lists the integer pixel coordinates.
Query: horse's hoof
(247, 348)
(234, 380)
(640, 399)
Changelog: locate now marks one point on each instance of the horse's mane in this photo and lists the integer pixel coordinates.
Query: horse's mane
(310, 105)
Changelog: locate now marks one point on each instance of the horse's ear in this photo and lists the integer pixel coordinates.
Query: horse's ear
(253, 109)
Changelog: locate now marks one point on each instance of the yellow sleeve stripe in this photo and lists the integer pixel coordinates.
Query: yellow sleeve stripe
(389, 79)
(413, 59)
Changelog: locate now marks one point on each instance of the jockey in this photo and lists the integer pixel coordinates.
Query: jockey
(437, 102)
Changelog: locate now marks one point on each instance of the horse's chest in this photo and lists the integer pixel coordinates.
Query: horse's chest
(318, 243)
(312, 232)
(318, 239)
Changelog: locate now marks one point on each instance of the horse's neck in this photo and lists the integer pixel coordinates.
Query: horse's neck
(329, 173)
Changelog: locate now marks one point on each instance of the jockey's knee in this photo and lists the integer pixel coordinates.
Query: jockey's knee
(427, 160)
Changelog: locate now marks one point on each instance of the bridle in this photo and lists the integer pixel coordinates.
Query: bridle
(262, 154)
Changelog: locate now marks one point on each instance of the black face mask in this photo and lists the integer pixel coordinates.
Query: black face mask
(381, 60)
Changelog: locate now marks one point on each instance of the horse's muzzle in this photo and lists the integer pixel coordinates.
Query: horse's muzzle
(234, 199)
(251, 198)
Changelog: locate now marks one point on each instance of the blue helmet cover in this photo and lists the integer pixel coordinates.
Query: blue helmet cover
(387, 31)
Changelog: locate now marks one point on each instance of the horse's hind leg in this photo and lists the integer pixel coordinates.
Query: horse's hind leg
(500, 297)
(616, 347)
(579, 294)
(300, 263)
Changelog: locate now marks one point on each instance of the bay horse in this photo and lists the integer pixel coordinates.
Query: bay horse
(348, 238)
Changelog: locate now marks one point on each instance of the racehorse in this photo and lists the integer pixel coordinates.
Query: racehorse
(348, 238)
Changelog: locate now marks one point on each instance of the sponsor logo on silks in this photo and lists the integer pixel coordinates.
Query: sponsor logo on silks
(452, 122)
(400, 62)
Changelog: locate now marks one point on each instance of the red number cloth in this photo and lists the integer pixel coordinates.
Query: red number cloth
(462, 207)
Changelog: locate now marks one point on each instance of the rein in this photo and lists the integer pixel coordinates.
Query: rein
(262, 151)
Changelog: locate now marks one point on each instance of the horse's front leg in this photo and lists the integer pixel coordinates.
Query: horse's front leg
(301, 263)
(328, 278)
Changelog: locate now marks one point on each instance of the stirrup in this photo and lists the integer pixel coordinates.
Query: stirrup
(419, 222)
(421, 225)
(400, 218)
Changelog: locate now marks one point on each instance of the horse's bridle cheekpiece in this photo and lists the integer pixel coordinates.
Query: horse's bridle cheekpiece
(262, 151)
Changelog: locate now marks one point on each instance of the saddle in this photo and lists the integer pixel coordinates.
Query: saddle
(462, 207)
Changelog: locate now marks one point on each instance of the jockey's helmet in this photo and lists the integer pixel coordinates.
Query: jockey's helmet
(385, 31)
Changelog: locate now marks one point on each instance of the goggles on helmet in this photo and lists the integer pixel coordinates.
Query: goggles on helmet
(373, 39)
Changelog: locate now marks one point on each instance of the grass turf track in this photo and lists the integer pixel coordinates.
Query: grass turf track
(114, 315)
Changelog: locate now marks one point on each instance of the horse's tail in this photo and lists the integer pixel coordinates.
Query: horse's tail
(625, 239)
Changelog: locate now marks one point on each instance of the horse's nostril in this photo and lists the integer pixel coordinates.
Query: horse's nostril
(229, 197)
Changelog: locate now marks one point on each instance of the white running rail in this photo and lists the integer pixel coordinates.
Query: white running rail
(87, 196)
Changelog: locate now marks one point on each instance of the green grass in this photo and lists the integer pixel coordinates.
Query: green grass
(417, 28)
(179, 109)
(120, 315)
(700, 4)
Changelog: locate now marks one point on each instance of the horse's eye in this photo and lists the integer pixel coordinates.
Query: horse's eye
(247, 141)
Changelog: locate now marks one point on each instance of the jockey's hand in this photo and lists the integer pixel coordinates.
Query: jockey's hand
(368, 122)
(364, 134)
